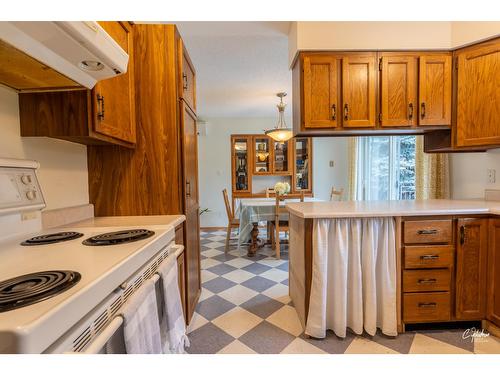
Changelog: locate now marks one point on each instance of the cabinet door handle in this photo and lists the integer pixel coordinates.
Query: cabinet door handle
(185, 81)
(346, 112)
(410, 111)
(427, 304)
(100, 107)
(429, 257)
(188, 189)
(422, 110)
(427, 231)
(427, 281)
(334, 112)
(462, 235)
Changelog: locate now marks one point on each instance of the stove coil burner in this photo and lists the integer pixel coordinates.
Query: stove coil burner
(35, 287)
(51, 238)
(114, 238)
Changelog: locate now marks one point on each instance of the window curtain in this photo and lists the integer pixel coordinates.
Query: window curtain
(432, 176)
(352, 157)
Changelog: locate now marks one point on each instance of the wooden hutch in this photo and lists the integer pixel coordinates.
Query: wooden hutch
(259, 155)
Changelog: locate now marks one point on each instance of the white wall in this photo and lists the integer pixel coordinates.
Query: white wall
(376, 35)
(469, 176)
(63, 171)
(214, 164)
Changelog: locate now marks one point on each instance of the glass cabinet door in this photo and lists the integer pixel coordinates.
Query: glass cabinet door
(302, 164)
(241, 148)
(262, 158)
(280, 157)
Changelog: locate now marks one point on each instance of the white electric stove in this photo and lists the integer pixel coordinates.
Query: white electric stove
(59, 288)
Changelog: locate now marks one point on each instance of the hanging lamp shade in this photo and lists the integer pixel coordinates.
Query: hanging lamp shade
(281, 132)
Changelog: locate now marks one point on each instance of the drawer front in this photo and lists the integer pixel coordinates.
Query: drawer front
(426, 307)
(428, 231)
(428, 256)
(426, 280)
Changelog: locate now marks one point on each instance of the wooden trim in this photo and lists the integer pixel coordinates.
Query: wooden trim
(213, 228)
(491, 328)
(399, 271)
(308, 264)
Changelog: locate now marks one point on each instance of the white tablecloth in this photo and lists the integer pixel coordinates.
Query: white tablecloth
(253, 210)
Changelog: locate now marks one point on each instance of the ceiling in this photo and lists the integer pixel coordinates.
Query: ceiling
(240, 66)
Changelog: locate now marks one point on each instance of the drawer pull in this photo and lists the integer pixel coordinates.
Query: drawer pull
(427, 281)
(427, 305)
(429, 257)
(427, 231)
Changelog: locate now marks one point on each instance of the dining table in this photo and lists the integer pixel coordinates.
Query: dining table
(251, 211)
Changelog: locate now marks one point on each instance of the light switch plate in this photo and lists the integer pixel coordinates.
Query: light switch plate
(332, 164)
(492, 176)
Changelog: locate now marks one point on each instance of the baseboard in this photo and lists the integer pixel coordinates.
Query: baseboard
(491, 328)
(213, 228)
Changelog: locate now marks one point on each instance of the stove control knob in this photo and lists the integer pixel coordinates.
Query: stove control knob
(31, 194)
(26, 179)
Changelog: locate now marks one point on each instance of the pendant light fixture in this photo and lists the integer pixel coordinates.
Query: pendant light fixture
(281, 132)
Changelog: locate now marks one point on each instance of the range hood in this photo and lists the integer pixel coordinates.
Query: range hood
(56, 55)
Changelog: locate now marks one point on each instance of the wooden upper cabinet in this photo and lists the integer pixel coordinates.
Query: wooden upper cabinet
(493, 297)
(435, 89)
(398, 91)
(478, 95)
(187, 79)
(113, 100)
(472, 251)
(320, 91)
(358, 91)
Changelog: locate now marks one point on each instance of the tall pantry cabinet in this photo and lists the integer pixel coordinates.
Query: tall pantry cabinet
(159, 176)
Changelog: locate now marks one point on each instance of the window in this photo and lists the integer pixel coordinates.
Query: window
(386, 168)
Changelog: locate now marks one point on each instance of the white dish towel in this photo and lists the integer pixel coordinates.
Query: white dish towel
(172, 323)
(353, 277)
(141, 328)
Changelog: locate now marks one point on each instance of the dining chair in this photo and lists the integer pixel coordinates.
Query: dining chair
(270, 192)
(337, 194)
(280, 225)
(232, 222)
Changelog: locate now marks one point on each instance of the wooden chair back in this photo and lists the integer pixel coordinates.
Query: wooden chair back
(229, 211)
(336, 194)
(270, 192)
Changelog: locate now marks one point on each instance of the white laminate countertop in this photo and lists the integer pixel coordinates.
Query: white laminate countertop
(123, 221)
(325, 210)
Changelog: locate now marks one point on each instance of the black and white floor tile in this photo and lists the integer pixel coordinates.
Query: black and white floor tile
(245, 308)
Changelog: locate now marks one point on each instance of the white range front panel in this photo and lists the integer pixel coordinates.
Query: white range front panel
(31, 329)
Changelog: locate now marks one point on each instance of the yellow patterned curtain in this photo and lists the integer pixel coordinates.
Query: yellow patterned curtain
(353, 166)
(432, 176)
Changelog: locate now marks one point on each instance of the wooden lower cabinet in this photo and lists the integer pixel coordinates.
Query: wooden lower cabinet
(444, 278)
(493, 289)
(470, 295)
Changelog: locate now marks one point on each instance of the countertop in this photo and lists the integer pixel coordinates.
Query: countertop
(123, 221)
(324, 210)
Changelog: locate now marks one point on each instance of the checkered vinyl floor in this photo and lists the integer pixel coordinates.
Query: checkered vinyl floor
(245, 308)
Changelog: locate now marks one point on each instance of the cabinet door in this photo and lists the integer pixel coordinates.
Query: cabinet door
(358, 91)
(192, 260)
(493, 300)
(241, 158)
(187, 81)
(190, 154)
(113, 100)
(281, 158)
(320, 91)
(302, 172)
(399, 91)
(478, 95)
(472, 250)
(262, 155)
(435, 90)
